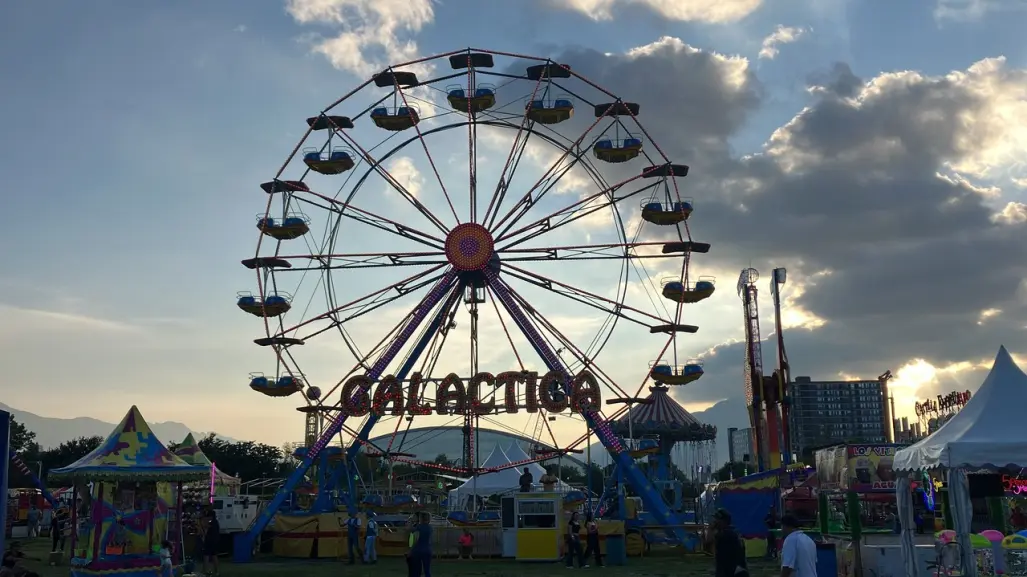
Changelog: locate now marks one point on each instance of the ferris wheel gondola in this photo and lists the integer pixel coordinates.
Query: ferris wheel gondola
(485, 256)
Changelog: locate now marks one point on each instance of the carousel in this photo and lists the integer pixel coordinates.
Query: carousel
(669, 442)
(124, 507)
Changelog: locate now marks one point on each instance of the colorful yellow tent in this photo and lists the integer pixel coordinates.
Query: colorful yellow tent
(190, 452)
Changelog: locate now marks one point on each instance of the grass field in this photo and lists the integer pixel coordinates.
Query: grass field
(653, 566)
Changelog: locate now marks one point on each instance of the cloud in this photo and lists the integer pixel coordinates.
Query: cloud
(371, 33)
(782, 35)
(879, 196)
(407, 175)
(707, 11)
(972, 10)
(21, 320)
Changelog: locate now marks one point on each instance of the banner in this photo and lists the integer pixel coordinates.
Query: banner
(861, 468)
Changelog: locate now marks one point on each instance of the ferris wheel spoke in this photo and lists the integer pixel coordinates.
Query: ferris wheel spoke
(347, 210)
(401, 288)
(424, 145)
(516, 150)
(379, 168)
(593, 300)
(606, 199)
(611, 251)
(567, 343)
(546, 181)
(334, 261)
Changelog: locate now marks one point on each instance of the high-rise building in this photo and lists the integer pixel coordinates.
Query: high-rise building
(832, 412)
(739, 445)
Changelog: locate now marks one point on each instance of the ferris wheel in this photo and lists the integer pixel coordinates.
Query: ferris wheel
(370, 247)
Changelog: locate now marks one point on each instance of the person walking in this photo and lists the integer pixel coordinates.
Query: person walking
(525, 480)
(771, 522)
(573, 538)
(422, 550)
(798, 551)
(728, 548)
(370, 553)
(57, 530)
(211, 540)
(353, 538)
(592, 541)
(413, 569)
(33, 521)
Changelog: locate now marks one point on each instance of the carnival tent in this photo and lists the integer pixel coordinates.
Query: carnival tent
(516, 454)
(132, 453)
(989, 432)
(190, 452)
(488, 484)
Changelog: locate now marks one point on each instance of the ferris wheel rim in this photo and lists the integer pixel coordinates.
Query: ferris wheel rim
(594, 174)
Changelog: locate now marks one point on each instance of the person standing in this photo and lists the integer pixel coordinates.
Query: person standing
(422, 550)
(33, 521)
(771, 522)
(798, 551)
(592, 541)
(526, 480)
(370, 553)
(413, 569)
(573, 538)
(353, 537)
(57, 530)
(166, 569)
(728, 548)
(211, 540)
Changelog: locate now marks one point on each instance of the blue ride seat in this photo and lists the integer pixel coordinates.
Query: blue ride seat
(663, 370)
(647, 444)
(381, 111)
(300, 453)
(274, 300)
(372, 500)
(286, 381)
(456, 93)
(604, 144)
(247, 300)
(258, 381)
(265, 222)
(488, 516)
(675, 286)
(293, 221)
(406, 111)
(536, 105)
(682, 206)
(703, 285)
(630, 142)
(338, 155)
(692, 369)
(482, 91)
(403, 499)
(331, 451)
(563, 103)
(312, 156)
(655, 206)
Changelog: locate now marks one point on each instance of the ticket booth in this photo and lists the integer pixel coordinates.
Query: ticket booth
(537, 521)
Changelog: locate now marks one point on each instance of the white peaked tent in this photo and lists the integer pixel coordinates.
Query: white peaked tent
(516, 453)
(988, 432)
(487, 484)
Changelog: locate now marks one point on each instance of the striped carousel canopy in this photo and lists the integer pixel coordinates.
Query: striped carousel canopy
(663, 416)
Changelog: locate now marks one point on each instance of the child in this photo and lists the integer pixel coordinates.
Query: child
(165, 559)
(466, 544)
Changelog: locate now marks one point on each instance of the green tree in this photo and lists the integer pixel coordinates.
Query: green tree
(245, 459)
(22, 439)
(732, 470)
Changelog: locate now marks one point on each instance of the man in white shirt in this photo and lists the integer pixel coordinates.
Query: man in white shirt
(798, 552)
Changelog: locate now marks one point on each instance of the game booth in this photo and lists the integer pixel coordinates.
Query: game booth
(981, 451)
(124, 506)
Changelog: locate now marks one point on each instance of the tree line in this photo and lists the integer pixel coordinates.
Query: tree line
(246, 459)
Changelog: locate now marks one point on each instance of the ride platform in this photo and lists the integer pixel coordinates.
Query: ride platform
(676, 290)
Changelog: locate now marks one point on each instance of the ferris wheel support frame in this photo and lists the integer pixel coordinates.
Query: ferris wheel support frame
(246, 540)
(634, 476)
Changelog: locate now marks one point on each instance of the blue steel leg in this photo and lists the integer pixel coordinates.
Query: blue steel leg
(243, 547)
(5, 446)
(372, 420)
(634, 476)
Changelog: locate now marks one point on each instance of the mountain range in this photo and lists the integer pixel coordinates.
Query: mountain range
(51, 432)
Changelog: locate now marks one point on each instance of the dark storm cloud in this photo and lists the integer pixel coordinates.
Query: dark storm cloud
(850, 185)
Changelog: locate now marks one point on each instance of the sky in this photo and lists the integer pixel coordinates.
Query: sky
(874, 151)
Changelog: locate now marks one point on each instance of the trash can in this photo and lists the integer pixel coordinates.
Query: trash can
(827, 560)
(616, 550)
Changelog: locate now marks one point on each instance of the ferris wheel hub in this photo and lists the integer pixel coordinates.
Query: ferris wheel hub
(469, 247)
